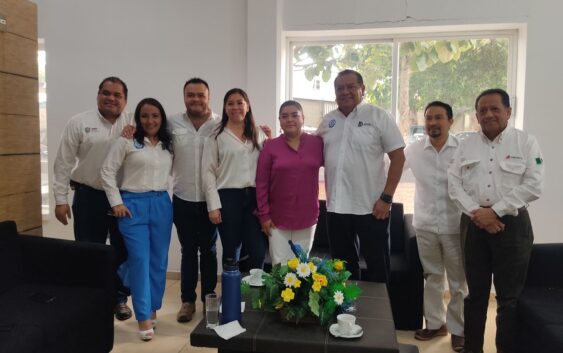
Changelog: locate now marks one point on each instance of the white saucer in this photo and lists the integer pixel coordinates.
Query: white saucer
(333, 329)
(247, 279)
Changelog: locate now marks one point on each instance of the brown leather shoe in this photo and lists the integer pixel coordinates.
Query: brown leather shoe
(458, 342)
(122, 312)
(426, 334)
(185, 312)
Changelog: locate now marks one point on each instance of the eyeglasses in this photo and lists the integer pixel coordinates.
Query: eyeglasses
(108, 94)
(350, 87)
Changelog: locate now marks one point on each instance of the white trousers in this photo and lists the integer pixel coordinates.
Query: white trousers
(440, 254)
(280, 251)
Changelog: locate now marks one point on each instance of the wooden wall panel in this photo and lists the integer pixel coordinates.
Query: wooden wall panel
(21, 16)
(19, 134)
(25, 209)
(20, 174)
(18, 55)
(18, 95)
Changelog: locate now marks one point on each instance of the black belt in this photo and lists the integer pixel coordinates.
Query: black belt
(74, 185)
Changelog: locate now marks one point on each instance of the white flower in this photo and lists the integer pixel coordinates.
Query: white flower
(303, 270)
(338, 297)
(289, 279)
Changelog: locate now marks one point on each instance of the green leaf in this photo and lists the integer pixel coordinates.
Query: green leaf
(314, 303)
(326, 75)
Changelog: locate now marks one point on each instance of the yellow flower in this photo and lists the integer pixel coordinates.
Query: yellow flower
(312, 267)
(316, 286)
(338, 265)
(293, 263)
(287, 295)
(297, 283)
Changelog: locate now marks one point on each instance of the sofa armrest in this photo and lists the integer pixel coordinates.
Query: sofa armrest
(546, 266)
(68, 263)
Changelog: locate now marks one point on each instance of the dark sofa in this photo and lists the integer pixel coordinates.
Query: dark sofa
(406, 282)
(540, 308)
(55, 295)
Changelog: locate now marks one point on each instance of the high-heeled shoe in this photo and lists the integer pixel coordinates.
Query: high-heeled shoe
(146, 335)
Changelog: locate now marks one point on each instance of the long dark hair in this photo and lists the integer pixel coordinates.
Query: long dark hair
(249, 125)
(162, 134)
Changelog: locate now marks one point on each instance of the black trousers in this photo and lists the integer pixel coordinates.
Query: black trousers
(196, 233)
(504, 257)
(351, 235)
(93, 223)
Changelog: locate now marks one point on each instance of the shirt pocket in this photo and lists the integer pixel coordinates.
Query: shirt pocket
(469, 174)
(511, 174)
(180, 136)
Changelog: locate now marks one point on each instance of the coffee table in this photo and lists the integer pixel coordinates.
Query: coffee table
(266, 333)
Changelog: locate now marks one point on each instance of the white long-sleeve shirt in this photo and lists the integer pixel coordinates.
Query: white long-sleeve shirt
(228, 163)
(145, 168)
(504, 174)
(85, 142)
(434, 211)
(188, 149)
(354, 148)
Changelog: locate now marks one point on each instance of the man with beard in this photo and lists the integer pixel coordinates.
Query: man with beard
(436, 221)
(85, 142)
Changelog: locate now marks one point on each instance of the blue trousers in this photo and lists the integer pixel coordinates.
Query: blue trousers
(239, 226)
(147, 238)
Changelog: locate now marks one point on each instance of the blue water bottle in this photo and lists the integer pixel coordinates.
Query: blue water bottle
(230, 291)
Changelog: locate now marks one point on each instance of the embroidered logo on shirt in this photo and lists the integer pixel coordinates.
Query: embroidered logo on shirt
(138, 145)
(512, 157)
(361, 123)
(332, 123)
(539, 160)
(90, 129)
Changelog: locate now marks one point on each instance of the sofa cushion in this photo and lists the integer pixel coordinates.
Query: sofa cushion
(542, 305)
(61, 314)
(10, 261)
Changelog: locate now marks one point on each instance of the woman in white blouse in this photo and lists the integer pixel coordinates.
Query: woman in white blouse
(143, 208)
(229, 172)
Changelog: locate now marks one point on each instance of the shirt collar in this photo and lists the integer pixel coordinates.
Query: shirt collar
(450, 142)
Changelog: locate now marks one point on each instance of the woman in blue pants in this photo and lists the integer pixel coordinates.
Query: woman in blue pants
(143, 208)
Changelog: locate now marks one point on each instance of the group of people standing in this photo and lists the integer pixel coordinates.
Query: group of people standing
(232, 179)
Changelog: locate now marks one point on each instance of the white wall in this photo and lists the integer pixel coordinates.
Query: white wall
(156, 45)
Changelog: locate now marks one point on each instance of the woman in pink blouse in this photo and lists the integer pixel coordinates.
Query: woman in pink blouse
(287, 185)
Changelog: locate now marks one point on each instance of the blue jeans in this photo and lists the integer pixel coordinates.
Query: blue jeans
(239, 226)
(147, 238)
(196, 233)
(92, 223)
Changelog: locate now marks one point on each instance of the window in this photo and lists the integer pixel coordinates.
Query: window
(41, 62)
(402, 74)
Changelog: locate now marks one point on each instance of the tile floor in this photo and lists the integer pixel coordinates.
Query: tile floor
(173, 337)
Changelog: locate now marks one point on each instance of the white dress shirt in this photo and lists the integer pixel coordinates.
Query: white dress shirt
(188, 149)
(228, 163)
(504, 174)
(434, 211)
(85, 143)
(145, 168)
(354, 148)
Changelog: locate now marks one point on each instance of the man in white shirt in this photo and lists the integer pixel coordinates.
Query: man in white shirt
(436, 221)
(494, 175)
(356, 137)
(85, 142)
(195, 231)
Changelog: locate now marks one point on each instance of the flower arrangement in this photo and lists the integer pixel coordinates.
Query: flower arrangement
(305, 286)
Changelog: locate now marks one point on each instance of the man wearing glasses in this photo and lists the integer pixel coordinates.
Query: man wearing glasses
(356, 138)
(84, 145)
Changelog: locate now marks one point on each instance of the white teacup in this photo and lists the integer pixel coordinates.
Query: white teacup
(346, 324)
(256, 275)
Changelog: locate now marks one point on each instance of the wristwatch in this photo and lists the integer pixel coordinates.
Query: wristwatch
(386, 198)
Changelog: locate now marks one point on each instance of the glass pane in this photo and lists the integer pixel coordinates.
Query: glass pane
(453, 71)
(41, 61)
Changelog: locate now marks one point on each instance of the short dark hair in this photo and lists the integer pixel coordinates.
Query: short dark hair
(162, 134)
(446, 106)
(114, 79)
(195, 81)
(291, 103)
(359, 77)
(505, 98)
